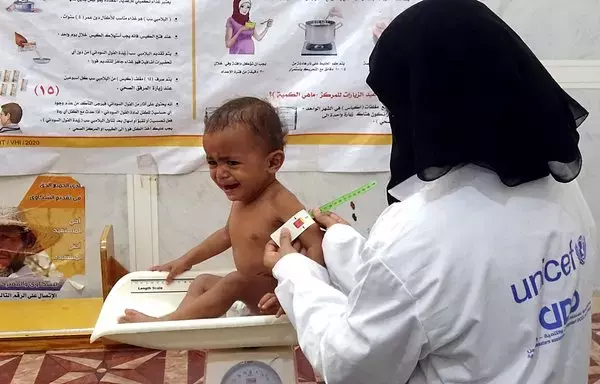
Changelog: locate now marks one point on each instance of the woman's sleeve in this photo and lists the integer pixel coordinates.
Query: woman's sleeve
(342, 249)
(372, 336)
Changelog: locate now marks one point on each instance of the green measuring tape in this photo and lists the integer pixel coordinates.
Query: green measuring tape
(346, 198)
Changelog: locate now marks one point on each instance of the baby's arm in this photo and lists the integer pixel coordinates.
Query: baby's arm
(286, 206)
(213, 245)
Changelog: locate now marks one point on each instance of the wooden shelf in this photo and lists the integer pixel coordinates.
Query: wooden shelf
(45, 343)
(53, 317)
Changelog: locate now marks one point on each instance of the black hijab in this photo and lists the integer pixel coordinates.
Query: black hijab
(461, 87)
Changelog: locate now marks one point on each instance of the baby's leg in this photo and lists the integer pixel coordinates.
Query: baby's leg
(199, 286)
(218, 298)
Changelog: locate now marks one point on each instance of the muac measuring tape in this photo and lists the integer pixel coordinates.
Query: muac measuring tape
(346, 198)
(302, 220)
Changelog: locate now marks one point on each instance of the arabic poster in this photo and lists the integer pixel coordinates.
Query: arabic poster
(42, 241)
(125, 85)
(310, 58)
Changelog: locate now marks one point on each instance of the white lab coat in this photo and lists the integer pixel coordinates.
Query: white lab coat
(448, 287)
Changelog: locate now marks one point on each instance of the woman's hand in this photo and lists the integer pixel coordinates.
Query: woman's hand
(327, 219)
(273, 253)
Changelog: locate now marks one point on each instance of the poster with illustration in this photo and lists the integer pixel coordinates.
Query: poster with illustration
(308, 58)
(42, 241)
(93, 86)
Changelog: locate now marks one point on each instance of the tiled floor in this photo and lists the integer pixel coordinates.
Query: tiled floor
(139, 366)
(594, 372)
(134, 366)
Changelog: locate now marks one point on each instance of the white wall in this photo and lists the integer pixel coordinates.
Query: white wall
(554, 29)
(190, 207)
(589, 180)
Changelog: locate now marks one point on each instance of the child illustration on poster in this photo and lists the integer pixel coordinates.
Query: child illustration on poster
(10, 117)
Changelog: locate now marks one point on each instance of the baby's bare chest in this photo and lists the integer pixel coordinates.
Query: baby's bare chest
(252, 227)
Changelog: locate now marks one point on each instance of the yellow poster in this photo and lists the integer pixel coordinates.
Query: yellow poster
(42, 241)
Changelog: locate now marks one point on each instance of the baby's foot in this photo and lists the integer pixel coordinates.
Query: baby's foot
(133, 316)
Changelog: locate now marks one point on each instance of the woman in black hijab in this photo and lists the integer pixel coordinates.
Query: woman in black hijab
(462, 87)
(482, 270)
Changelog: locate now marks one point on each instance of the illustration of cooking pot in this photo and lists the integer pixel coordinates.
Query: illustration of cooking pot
(320, 32)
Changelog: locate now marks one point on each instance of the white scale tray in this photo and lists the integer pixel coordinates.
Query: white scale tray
(137, 291)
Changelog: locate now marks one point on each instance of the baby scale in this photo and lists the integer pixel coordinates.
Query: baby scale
(239, 349)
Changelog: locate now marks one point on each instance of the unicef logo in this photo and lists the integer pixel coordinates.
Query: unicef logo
(580, 250)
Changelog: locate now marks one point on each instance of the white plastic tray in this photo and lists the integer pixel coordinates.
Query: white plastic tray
(221, 333)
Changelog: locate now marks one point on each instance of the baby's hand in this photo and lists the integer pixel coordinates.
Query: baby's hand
(269, 304)
(175, 268)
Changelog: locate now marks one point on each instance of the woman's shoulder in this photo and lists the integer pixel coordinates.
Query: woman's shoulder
(232, 23)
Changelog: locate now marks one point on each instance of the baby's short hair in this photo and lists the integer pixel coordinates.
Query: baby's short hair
(251, 112)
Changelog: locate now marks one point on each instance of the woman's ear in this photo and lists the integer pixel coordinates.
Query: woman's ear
(275, 161)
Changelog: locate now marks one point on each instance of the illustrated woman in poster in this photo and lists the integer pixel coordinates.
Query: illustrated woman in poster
(240, 31)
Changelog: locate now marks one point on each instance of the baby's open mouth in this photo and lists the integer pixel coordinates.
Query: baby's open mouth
(231, 187)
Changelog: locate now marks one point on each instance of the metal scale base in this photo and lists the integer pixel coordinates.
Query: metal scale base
(273, 365)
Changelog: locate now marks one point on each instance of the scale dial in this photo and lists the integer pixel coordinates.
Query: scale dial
(251, 372)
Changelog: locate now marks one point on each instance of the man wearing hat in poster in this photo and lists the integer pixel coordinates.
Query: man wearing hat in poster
(22, 247)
